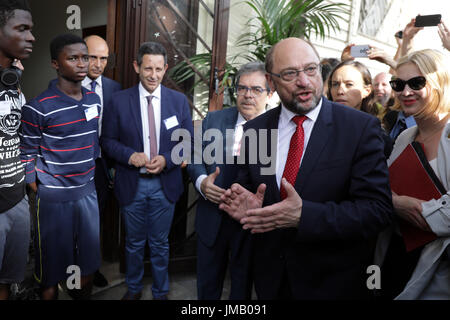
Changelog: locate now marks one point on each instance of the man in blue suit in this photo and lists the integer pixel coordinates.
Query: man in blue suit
(220, 238)
(137, 129)
(315, 216)
(104, 87)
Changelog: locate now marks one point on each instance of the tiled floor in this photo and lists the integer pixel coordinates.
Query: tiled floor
(183, 286)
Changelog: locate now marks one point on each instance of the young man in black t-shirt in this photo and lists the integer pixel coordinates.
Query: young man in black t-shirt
(16, 42)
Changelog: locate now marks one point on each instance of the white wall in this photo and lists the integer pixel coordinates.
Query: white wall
(399, 14)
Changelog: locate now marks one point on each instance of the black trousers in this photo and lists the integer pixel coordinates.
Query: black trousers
(232, 249)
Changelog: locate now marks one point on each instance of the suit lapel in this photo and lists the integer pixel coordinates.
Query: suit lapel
(227, 170)
(319, 138)
(106, 90)
(272, 124)
(229, 122)
(165, 113)
(135, 111)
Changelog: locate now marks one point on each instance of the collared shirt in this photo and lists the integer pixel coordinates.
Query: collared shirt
(156, 102)
(286, 129)
(99, 91)
(397, 128)
(238, 132)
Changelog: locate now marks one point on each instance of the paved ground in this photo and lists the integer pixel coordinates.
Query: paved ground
(182, 286)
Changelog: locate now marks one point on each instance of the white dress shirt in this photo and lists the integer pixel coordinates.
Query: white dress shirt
(238, 132)
(156, 102)
(286, 129)
(99, 91)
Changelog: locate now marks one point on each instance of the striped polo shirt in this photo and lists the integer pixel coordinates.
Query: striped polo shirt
(59, 143)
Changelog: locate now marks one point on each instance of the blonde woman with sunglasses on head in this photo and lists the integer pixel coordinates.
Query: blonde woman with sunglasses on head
(422, 89)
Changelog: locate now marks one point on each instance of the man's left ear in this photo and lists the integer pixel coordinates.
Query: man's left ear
(55, 65)
(270, 81)
(136, 66)
(166, 67)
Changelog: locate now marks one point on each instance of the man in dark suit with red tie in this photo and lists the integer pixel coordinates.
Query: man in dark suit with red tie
(137, 135)
(313, 239)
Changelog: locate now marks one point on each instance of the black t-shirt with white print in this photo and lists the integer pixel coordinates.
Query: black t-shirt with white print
(12, 173)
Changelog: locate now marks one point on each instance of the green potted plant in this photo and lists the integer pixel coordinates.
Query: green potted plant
(276, 20)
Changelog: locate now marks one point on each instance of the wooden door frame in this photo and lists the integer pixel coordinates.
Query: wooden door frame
(127, 17)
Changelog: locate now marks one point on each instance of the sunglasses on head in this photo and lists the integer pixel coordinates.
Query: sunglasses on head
(415, 83)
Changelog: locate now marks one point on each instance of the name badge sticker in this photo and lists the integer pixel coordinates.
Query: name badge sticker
(91, 113)
(171, 122)
(5, 107)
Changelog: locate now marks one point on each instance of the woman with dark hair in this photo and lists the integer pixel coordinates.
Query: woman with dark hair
(350, 84)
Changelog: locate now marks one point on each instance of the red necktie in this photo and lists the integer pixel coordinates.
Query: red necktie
(151, 128)
(295, 154)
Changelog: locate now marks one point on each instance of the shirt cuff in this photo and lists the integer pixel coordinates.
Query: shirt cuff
(198, 183)
(437, 215)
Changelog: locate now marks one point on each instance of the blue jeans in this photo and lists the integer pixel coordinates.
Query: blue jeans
(148, 219)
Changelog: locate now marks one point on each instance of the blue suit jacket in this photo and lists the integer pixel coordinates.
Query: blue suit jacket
(122, 136)
(209, 217)
(343, 182)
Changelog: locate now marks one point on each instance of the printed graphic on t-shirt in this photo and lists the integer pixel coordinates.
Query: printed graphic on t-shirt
(11, 169)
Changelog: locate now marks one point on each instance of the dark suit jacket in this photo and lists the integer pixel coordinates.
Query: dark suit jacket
(343, 182)
(109, 86)
(209, 217)
(122, 136)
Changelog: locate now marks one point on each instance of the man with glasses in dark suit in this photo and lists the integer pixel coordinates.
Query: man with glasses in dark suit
(221, 241)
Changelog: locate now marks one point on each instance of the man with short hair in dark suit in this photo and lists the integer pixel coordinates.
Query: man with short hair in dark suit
(104, 87)
(221, 241)
(315, 215)
(138, 127)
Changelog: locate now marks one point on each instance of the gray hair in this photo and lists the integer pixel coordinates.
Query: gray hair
(251, 67)
(151, 48)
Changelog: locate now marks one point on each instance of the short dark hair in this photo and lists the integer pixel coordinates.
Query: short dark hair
(59, 42)
(251, 67)
(328, 64)
(151, 48)
(7, 8)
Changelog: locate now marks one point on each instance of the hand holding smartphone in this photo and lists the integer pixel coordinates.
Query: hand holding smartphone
(428, 21)
(359, 51)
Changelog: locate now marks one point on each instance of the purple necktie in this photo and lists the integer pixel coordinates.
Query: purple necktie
(151, 128)
(93, 85)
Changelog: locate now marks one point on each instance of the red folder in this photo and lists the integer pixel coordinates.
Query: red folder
(411, 175)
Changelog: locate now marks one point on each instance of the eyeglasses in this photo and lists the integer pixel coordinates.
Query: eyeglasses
(255, 91)
(291, 74)
(415, 83)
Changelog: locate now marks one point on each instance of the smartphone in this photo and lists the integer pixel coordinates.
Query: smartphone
(359, 51)
(428, 21)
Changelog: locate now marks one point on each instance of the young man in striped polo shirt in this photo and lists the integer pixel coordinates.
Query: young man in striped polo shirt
(59, 147)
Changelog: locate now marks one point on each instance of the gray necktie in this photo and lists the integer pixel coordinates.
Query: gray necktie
(151, 128)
